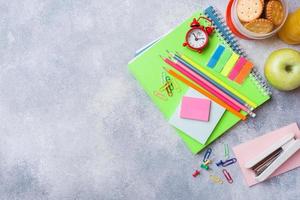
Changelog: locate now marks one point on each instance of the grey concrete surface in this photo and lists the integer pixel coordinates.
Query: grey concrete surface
(76, 125)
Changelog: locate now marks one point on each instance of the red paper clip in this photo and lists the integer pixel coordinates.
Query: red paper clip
(227, 176)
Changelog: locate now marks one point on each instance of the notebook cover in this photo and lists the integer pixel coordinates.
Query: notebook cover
(249, 150)
(147, 69)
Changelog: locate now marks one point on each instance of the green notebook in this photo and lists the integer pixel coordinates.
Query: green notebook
(147, 69)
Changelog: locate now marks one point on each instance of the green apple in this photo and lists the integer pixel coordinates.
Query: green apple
(282, 69)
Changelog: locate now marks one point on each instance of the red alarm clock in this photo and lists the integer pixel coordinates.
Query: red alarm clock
(197, 37)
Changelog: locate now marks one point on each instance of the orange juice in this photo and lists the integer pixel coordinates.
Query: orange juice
(290, 32)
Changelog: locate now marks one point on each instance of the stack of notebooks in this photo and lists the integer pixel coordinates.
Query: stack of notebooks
(197, 118)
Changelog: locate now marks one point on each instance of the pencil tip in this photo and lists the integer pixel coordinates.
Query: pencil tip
(164, 68)
(178, 53)
(169, 53)
(252, 114)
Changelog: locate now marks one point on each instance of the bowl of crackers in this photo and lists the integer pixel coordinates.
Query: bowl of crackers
(258, 19)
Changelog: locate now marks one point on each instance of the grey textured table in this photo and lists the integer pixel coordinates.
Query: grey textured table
(76, 125)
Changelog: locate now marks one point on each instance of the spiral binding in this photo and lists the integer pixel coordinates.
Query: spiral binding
(225, 32)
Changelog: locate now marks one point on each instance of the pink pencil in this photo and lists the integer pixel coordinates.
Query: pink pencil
(201, 83)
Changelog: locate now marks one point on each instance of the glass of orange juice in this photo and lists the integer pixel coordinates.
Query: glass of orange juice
(290, 32)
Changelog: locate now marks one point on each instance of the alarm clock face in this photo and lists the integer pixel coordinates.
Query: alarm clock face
(197, 38)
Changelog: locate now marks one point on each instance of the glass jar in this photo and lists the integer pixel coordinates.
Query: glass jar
(290, 32)
(238, 28)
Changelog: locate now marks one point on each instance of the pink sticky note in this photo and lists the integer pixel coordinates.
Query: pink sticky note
(195, 108)
(249, 150)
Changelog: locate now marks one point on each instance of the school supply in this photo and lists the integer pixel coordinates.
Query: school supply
(196, 173)
(226, 151)
(234, 63)
(203, 83)
(226, 162)
(217, 78)
(198, 130)
(215, 179)
(207, 162)
(207, 154)
(269, 160)
(207, 94)
(245, 71)
(203, 166)
(216, 56)
(223, 59)
(147, 68)
(231, 40)
(193, 73)
(208, 79)
(281, 145)
(237, 68)
(195, 108)
(230, 64)
(227, 176)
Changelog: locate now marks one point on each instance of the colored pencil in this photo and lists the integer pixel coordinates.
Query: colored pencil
(212, 87)
(212, 76)
(197, 80)
(194, 69)
(205, 93)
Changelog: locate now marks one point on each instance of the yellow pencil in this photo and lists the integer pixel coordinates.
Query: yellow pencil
(213, 77)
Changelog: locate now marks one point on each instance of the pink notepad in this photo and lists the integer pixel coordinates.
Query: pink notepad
(249, 150)
(195, 108)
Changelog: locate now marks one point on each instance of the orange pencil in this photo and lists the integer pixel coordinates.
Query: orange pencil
(204, 92)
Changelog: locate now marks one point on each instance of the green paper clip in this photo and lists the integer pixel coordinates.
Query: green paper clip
(226, 150)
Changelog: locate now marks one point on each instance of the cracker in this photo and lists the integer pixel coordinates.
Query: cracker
(260, 26)
(275, 12)
(248, 10)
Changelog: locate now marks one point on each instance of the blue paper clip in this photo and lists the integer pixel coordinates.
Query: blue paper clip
(226, 162)
(219, 163)
(207, 154)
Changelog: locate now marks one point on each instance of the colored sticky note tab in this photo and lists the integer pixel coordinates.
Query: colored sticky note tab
(237, 68)
(216, 56)
(223, 60)
(195, 108)
(245, 71)
(230, 64)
